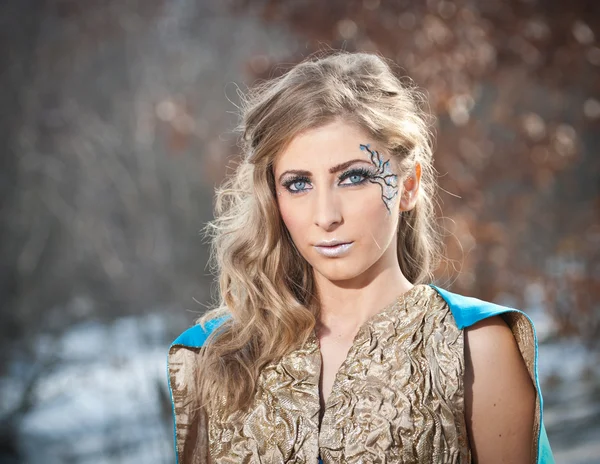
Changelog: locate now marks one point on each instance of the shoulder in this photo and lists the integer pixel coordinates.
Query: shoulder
(196, 336)
(500, 397)
(492, 353)
(491, 350)
(503, 400)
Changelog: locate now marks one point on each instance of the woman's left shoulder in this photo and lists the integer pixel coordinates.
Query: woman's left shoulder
(500, 398)
(492, 350)
(501, 352)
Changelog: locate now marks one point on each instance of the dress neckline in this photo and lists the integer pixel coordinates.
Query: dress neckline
(356, 343)
(393, 305)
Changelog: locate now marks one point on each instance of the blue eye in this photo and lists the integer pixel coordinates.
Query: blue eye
(297, 185)
(300, 185)
(356, 176)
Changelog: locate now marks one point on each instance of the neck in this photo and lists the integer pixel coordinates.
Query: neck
(347, 305)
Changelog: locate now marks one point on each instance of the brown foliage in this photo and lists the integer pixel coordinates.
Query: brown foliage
(515, 87)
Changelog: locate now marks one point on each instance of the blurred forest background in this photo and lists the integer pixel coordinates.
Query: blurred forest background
(116, 125)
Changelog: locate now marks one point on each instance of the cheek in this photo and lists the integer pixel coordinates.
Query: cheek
(371, 219)
(292, 218)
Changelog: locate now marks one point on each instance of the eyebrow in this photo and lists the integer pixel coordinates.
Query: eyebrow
(332, 170)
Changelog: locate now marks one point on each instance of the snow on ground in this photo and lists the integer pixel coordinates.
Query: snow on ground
(103, 403)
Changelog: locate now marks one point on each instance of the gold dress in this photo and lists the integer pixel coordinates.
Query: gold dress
(397, 398)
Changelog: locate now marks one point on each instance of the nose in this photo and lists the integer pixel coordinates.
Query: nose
(328, 214)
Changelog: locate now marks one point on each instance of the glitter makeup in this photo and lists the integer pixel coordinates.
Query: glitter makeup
(387, 180)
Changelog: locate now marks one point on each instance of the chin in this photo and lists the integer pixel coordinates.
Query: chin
(339, 270)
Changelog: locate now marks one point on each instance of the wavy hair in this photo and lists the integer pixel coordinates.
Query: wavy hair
(265, 285)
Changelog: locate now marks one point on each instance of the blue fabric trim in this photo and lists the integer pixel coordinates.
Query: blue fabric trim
(468, 311)
(545, 452)
(194, 337)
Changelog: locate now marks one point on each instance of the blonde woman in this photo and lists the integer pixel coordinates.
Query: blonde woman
(329, 343)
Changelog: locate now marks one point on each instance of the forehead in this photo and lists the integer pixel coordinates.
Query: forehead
(323, 147)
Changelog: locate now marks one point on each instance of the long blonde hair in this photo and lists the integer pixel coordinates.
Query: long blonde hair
(265, 285)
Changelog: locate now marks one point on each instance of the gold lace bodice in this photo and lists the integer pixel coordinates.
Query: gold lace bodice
(398, 397)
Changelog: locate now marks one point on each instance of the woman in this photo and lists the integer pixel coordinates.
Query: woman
(328, 344)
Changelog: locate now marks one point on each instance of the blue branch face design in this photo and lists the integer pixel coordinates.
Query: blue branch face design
(387, 180)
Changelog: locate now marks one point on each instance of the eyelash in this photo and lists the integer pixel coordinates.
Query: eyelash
(363, 172)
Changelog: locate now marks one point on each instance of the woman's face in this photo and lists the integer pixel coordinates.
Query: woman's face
(335, 186)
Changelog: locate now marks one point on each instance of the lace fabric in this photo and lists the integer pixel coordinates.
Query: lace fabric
(398, 396)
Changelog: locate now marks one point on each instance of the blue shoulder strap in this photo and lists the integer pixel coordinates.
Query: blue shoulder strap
(195, 336)
(468, 311)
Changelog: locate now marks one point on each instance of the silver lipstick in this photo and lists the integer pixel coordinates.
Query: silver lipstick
(333, 248)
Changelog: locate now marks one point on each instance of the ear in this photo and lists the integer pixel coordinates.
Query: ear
(410, 188)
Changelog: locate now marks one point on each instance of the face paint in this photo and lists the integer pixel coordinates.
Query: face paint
(387, 180)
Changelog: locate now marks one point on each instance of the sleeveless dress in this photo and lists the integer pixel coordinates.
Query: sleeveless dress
(397, 398)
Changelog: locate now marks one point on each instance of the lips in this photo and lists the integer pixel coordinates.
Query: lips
(331, 243)
(333, 248)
